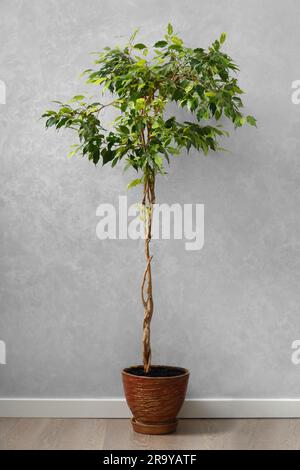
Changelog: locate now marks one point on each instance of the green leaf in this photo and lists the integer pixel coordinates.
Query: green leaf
(218, 114)
(251, 120)
(141, 63)
(97, 81)
(156, 125)
(170, 29)
(173, 150)
(160, 44)
(239, 121)
(114, 162)
(189, 87)
(190, 104)
(206, 115)
(177, 41)
(96, 156)
(134, 183)
(158, 160)
(78, 98)
(124, 129)
(140, 46)
(175, 47)
(223, 38)
(107, 155)
(65, 109)
(140, 104)
(51, 121)
(210, 93)
(133, 36)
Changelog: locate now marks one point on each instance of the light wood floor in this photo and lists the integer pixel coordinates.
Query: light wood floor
(112, 434)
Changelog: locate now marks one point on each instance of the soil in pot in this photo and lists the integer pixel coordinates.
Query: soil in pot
(156, 371)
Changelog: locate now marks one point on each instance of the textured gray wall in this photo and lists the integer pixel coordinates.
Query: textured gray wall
(70, 307)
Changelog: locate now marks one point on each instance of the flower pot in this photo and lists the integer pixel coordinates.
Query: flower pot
(156, 398)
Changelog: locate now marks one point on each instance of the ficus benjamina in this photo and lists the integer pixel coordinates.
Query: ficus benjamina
(144, 136)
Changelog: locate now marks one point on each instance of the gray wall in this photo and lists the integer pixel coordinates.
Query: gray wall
(70, 308)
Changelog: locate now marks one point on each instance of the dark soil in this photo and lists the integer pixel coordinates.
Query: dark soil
(156, 371)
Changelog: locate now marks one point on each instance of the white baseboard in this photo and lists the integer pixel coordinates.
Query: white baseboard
(117, 408)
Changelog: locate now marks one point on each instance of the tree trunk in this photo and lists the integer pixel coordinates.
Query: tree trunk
(148, 201)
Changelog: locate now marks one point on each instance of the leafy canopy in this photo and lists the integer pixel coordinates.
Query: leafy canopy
(143, 81)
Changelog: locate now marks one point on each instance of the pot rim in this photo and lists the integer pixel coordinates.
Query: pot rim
(185, 373)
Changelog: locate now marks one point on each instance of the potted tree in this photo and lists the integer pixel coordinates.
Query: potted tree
(142, 82)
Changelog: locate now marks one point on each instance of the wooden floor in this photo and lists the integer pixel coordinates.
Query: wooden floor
(112, 434)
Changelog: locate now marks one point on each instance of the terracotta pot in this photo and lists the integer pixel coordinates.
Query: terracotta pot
(155, 401)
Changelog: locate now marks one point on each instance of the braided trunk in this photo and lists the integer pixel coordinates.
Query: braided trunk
(146, 289)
